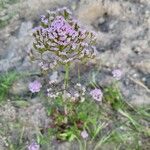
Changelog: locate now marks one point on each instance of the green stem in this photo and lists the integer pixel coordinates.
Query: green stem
(21, 136)
(80, 144)
(66, 84)
(79, 77)
(84, 145)
(66, 75)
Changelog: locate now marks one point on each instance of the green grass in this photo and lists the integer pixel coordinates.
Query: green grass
(3, 3)
(5, 20)
(129, 125)
(6, 81)
(3, 23)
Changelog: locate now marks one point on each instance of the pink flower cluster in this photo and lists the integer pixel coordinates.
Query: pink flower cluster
(62, 36)
(35, 86)
(61, 31)
(84, 134)
(33, 146)
(117, 74)
(97, 94)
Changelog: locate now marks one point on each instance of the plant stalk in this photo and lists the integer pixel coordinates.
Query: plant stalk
(67, 66)
(79, 76)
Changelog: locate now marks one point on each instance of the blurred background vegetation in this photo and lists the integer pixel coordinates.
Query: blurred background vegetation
(5, 16)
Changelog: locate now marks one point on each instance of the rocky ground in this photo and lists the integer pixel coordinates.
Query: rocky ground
(123, 41)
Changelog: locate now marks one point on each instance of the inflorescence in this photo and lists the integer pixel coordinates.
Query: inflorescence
(60, 40)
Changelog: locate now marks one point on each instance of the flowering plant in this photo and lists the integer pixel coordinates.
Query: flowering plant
(60, 40)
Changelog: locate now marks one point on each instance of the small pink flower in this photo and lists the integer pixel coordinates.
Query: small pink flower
(84, 134)
(34, 146)
(117, 74)
(96, 94)
(35, 86)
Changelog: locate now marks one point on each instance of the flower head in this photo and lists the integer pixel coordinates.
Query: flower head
(61, 35)
(35, 86)
(117, 74)
(96, 94)
(84, 134)
(33, 146)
